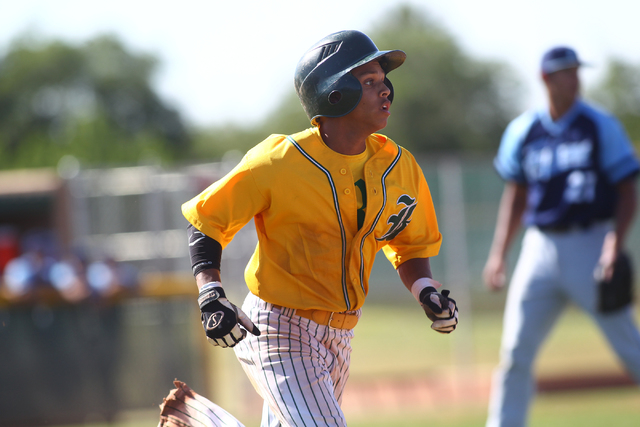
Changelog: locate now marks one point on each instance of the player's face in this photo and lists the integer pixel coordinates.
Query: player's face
(373, 110)
(563, 84)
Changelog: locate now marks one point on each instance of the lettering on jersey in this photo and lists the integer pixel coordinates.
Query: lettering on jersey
(572, 155)
(539, 164)
(400, 220)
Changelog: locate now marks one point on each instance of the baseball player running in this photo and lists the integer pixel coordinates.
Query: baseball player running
(324, 201)
(570, 177)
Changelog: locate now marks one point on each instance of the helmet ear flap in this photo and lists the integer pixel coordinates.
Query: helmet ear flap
(338, 98)
(387, 83)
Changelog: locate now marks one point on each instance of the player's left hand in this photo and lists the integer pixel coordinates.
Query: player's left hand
(441, 309)
(608, 257)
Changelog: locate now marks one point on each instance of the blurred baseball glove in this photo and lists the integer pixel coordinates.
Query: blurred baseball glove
(184, 407)
(616, 293)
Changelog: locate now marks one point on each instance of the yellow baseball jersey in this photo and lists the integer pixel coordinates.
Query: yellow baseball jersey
(311, 254)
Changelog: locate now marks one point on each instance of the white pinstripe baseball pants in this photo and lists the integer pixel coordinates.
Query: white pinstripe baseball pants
(299, 368)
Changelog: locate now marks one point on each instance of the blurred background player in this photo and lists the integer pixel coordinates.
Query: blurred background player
(570, 175)
(324, 201)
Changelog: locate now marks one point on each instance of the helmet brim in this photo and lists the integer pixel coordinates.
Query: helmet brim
(389, 60)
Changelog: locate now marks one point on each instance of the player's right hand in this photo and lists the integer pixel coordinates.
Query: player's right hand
(440, 309)
(221, 319)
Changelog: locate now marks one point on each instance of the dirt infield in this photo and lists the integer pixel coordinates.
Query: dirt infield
(584, 382)
(471, 388)
(383, 395)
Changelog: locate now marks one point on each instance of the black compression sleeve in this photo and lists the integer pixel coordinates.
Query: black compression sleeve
(204, 251)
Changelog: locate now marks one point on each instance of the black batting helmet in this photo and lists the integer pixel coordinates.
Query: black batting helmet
(323, 78)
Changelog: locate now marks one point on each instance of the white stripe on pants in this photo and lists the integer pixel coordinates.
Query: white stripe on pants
(299, 368)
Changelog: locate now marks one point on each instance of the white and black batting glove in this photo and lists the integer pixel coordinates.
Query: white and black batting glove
(438, 307)
(221, 319)
(441, 309)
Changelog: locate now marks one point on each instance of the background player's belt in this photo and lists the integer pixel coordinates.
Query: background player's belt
(329, 318)
(567, 228)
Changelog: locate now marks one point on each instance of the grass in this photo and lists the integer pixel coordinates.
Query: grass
(620, 408)
(395, 343)
(617, 407)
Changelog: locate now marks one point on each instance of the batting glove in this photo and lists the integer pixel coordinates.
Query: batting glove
(221, 319)
(441, 309)
(438, 307)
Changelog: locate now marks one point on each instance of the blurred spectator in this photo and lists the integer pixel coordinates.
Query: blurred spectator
(26, 278)
(41, 274)
(9, 245)
(68, 276)
(111, 280)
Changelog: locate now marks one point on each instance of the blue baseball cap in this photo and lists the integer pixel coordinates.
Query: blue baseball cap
(559, 58)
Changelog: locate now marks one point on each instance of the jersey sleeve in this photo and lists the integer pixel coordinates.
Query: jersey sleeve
(507, 162)
(227, 205)
(617, 155)
(421, 238)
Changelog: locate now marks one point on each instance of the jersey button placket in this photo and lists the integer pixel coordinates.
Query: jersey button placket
(370, 181)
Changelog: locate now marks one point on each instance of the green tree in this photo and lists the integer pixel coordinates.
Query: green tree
(93, 101)
(445, 100)
(619, 92)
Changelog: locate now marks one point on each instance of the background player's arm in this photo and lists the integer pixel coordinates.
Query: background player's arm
(512, 205)
(614, 240)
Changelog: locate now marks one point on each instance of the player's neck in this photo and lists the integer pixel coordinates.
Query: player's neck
(342, 139)
(559, 109)
(558, 106)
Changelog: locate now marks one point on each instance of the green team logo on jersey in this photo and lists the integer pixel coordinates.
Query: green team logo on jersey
(400, 221)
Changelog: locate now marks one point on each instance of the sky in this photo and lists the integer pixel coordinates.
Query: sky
(233, 61)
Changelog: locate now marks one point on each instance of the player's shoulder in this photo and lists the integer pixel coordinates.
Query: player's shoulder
(609, 127)
(276, 147)
(393, 151)
(523, 122)
(518, 129)
(275, 143)
(268, 144)
(380, 142)
(596, 112)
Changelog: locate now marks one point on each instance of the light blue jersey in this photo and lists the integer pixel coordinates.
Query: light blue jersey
(570, 166)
